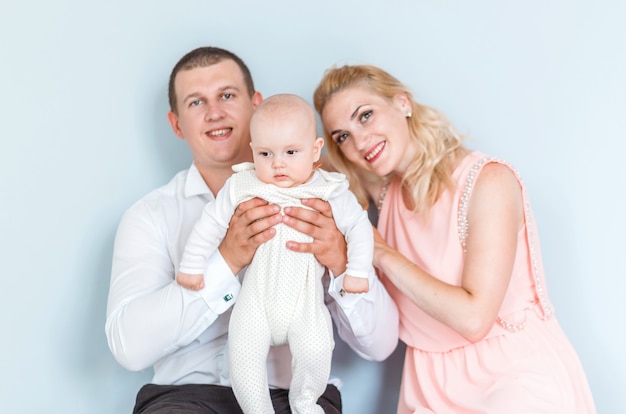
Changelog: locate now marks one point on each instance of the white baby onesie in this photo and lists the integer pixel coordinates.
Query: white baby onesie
(281, 300)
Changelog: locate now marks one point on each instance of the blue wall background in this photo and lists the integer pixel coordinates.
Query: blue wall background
(84, 134)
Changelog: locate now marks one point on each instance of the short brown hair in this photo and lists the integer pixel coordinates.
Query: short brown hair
(202, 57)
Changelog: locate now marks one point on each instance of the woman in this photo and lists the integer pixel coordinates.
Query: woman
(459, 252)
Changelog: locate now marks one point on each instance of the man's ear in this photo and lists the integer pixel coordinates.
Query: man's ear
(257, 98)
(173, 118)
(317, 148)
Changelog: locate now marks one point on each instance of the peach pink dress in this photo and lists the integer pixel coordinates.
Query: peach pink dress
(524, 365)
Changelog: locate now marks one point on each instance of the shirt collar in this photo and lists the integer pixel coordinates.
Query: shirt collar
(194, 184)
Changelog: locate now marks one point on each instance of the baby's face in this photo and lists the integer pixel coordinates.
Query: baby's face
(284, 151)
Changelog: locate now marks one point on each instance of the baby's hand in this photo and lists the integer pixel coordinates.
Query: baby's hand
(193, 282)
(353, 284)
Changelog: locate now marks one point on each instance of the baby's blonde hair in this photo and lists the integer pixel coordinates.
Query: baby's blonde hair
(287, 105)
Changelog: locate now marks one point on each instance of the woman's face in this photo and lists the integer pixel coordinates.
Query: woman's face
(371, 131)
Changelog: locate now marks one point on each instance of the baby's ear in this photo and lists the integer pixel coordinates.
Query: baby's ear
(317, 147)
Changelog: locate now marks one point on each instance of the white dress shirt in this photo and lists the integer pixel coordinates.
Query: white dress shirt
(183, 334)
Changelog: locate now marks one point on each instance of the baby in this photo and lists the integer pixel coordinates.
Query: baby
(282, 299)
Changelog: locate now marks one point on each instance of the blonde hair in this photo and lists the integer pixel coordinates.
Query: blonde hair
(437, 140)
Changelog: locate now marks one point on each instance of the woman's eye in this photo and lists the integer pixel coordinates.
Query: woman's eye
(365, 116)
(339, 139)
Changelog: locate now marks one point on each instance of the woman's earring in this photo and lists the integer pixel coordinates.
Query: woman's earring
(409, 114)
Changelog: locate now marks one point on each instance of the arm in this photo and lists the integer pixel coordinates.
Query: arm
(495, 217)
(367, 322)
(353, 223)
(205, 236)
(150, 316)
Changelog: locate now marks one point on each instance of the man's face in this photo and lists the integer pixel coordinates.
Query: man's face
(214, 110)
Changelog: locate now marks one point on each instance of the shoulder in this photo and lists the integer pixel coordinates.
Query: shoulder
(331, 176)
(497, 176)
(481, 172)
(497, 187)
(497, 172)
(243, 166)
(163, 198)
(173, 189)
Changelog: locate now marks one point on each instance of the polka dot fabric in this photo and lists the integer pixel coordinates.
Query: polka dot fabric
(281, 301)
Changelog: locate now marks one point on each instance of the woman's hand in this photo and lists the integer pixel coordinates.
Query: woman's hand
(250, 226)
(329, 244)
(380, 248)
(386, 258)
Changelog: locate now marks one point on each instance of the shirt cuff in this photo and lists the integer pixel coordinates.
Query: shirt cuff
(335, 289)
(221, 287)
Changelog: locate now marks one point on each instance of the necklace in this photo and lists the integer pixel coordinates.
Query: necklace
(383, 193)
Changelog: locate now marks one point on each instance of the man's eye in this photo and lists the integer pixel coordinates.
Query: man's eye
(195, 103)
(227, 96)
(365, 116)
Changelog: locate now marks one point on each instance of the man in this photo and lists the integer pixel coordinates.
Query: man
(183, 334)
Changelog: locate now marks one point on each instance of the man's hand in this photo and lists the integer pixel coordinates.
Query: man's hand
(250, 226)
(329, 245)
